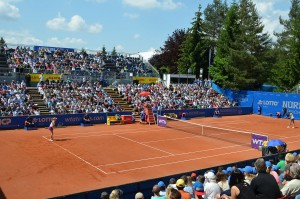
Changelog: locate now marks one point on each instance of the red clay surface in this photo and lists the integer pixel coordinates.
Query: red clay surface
(87, 158)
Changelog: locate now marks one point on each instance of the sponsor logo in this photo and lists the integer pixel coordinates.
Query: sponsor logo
(97, 118)
(267, 103)
(5, 121)
(291, 104)
(257, 141)
(162, 121)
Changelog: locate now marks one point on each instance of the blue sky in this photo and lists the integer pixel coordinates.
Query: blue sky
(130, 26)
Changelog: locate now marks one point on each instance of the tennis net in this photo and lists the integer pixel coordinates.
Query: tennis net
(228, 135)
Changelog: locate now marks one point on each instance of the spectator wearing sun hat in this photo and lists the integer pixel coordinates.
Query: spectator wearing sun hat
(198, 190)
(211, 187)
(172, 183)
(180, 184)
(193, 177)
(248, 173)
(162, 187)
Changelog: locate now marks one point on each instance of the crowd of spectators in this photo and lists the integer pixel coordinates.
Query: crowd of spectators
(45, 60)
(176, 97)
(15, 101)
(66, 97)
(69, 97)
(260, 180)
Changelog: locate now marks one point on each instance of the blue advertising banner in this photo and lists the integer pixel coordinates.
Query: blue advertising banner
(209, 112)
(268, 102)
(53, 49)
(65, 120)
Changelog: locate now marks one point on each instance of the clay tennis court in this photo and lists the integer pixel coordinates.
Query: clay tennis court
(87, 158)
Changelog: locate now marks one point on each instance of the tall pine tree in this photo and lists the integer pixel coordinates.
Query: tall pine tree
(193, 52)
(242, 48)
(286, 74)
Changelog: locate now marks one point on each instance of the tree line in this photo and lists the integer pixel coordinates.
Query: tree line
(228, 44)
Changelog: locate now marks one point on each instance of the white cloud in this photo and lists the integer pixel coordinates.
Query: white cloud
(77, 23)
(75, 42)
(22, 37)
(95, 28)
(270, 14)
(131, 15)
(136, 36)
(8, 11)
(119, 48)
(150, 4)
(148, 54)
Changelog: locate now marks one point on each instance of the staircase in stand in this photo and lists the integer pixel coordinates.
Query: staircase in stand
(3, 61)
(118, 99)
(37, 99)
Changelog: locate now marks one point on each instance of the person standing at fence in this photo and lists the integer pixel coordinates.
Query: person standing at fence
(292, 120)
(51, 127)
(284, 112)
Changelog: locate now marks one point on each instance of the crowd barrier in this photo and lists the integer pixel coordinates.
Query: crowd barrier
(269, 102)
(129, 190)
(15, 122)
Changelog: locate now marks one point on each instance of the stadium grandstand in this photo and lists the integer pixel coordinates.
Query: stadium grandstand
(43, 82)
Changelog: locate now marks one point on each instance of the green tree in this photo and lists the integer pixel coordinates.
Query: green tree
(168, 55)
(286, 74)
(114, 52)
(2, 42)
(103, 52)
(194, 50)
(214, 19)
(242, 49)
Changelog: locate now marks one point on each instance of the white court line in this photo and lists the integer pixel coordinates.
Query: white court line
(182, 138)
(144, 145)
(230, 122)
(170, 163)
(91, 134)
(76, 156)
(166, 156)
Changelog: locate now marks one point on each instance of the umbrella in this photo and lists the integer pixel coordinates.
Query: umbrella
(145, 93)
(275, 143)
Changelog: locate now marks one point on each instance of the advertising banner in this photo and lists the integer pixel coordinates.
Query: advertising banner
(36, 77)
(257, 140)
(146, 80)
(161, 121)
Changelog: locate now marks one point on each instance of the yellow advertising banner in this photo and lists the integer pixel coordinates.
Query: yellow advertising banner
(146, 80)
(36, 77)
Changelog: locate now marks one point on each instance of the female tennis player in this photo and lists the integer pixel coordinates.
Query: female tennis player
(51, 127)
(292, 120)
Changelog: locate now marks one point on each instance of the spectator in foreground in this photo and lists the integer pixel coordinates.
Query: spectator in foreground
(292, 188)
(211, 188)
(104, 195)
(116, 194)
(264, 184)
(172, 193)
(238, 187)
(162, 187)
(180, 186)
(139, 195)
(155, 191)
